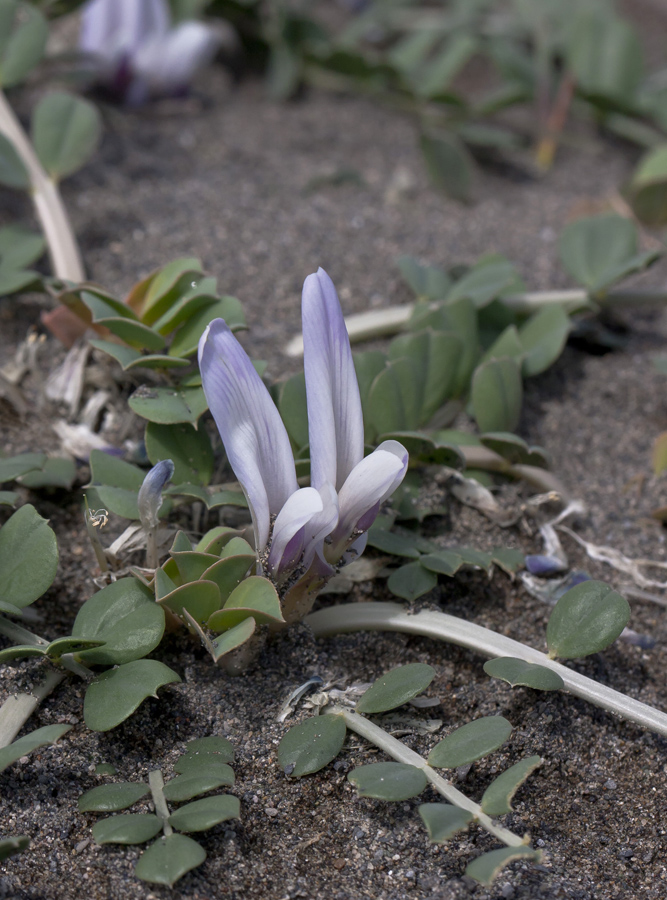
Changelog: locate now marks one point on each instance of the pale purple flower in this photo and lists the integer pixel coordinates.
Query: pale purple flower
(136, 51)
(301, 532)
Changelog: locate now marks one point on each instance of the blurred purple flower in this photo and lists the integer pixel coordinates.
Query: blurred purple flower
(136, 52)
(301, 534)
(150, 497)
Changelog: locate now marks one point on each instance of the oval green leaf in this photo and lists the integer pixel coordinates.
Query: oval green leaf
(131, 828)
(169, 858)
(21, 651)
(395, 688)
(311, 745)
(470, 742)
(485, 868)
(204, 814)
(411, 581)
(497, 395)
(443, 820)
(586, 619)
(125, 616)
(167, 405)
(388, 781)
(203, 751)
(255, 596)
(65, 132)
(13, 173)
(517, 672)
(116, 694)
(200, 598)
(23, 36)
(112, 797)
(28, 557)
(390, 542)
(11, 845)
(228, 573)
(41, 737)
(189, 450)
(231, 640)
(192, 783)
(496, 800)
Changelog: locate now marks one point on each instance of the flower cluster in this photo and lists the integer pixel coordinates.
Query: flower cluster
(136, 52)
(301, 534)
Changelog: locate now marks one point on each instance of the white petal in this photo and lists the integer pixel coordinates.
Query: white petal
(250, 426)
(335, 421)
(289, 529)
(321, 525)
(371, 482)
(180, 55)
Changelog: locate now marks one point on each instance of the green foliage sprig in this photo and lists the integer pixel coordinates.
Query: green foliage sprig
(203, 767)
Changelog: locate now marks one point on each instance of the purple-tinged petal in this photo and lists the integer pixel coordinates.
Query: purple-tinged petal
(116, 28)
(149, 499)
(335, 421)
(170, 64)
(287, 539)
(321, 525)
(250, 426)
(369, 484)
(539, 564)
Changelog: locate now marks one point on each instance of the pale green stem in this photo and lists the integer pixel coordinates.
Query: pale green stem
(17, 708)
(63, 249)
(152, 555)
(21, 635)
(441, 626)
(383, 322)
(398, 751)
(94, 539)
(156, 782)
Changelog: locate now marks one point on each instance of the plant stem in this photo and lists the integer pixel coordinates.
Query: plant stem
(391, 617)
(156, 782)
(63, 249)
(17, 708)
(21, 635)
(403, 754)
(391, 320)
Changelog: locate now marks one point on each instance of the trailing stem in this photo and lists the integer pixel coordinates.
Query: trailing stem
(17, 708)
(391, 617)
(63, 249)
(403, 754)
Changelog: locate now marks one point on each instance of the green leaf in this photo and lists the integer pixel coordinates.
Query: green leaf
(13, 173)
(605, 55)
(231, 640)
(395, 688)
(136, 334)
(19, 246)
(427, 448)
(105, 769)
(388, 781)
(113, 472)
(600, 250)
(497, 395)
(21, 651)
(496, 800)
(517, 672)
(443, 820)
(227, 498)
(167, 405)
(125, 616)
(485, 868)
(394, 398)
(167, 286)
(116, 694)
(647, 190)
(186, 339)
(131, 828)
(255, 596)
(63, 645)
(586, 619)
(12, 281)
(427, 282)
(200, 598)
(514, 449)
(204, 814)
(9, 607)
(411, 581)
(215, 539)
(41, 737)
(126, 356)
(57, 472)
(118, 501)
(23, 35)
(228, 573)
(202, 751)
(28, 557)
(191, 564)
(169, 858)
(65, 132)
(190, 451)
(444, 562)
(543, 338)
(448, 164)
(470, 742)
(311, 745)
(437, 75)
(192, 783)
(484, 282)
(509, 560)
(390, 542)
(436, 356)
(195, 300)
(506, 344)
(292, 406)
(11, 845)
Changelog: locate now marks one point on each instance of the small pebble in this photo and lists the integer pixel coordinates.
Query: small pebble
(271, 811)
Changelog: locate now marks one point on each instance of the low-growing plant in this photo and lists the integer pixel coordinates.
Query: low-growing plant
(202, 768)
